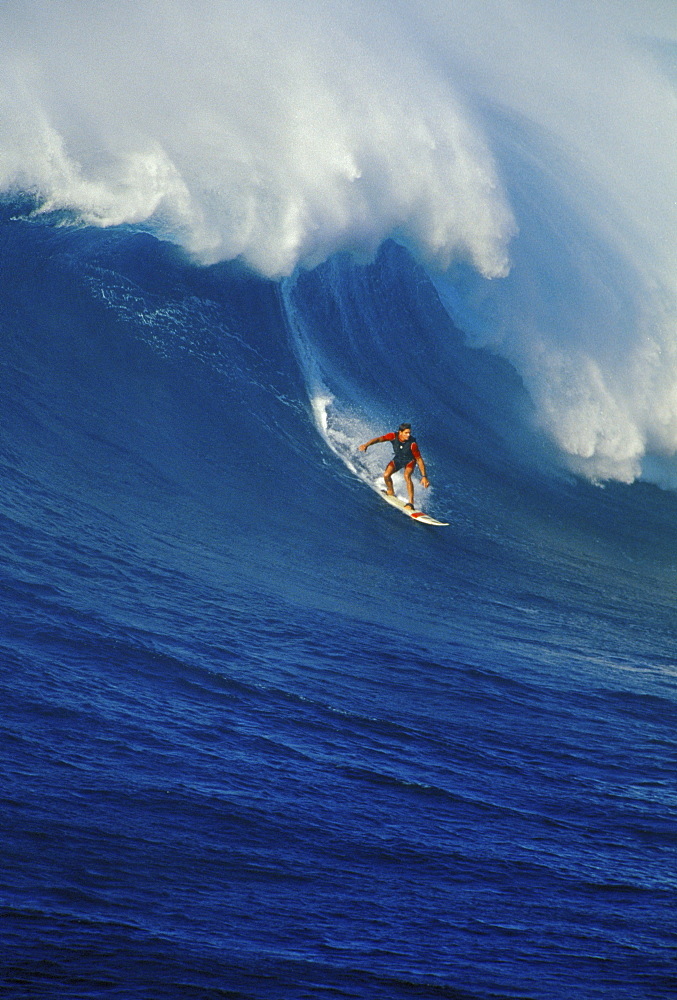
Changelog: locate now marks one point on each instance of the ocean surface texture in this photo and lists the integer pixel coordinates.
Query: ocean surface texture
(262, 737)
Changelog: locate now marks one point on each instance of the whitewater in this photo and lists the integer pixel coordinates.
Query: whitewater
(262, 736)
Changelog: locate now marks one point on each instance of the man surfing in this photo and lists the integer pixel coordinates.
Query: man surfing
(406, 457)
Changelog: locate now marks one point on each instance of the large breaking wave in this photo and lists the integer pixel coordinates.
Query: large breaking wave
(523, 153)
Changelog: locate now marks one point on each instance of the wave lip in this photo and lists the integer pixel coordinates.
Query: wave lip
(259, 151)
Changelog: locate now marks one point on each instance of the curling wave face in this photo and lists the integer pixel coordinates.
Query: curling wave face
(521, 152)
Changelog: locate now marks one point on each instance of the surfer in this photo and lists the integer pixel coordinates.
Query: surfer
(406, 457)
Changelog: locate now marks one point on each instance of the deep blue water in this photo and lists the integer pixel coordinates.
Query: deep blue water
(263, 737)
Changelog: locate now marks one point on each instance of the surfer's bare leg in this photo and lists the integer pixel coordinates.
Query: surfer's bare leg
(408, 469)
(388, 476)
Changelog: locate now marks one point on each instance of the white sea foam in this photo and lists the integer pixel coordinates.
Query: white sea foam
(275, 131)
(530, 139)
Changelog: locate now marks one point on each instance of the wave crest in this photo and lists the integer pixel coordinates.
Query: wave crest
(268, 135)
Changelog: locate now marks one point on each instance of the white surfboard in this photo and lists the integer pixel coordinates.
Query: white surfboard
(418, 515)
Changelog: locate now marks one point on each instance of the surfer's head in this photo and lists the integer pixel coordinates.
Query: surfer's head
(404, 431)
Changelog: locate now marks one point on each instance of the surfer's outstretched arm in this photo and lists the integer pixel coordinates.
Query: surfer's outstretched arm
(378, 440)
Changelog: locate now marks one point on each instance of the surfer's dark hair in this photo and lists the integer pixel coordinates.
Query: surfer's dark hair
(404, 427)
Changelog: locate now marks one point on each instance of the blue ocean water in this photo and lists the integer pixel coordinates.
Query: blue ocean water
(262, 736)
